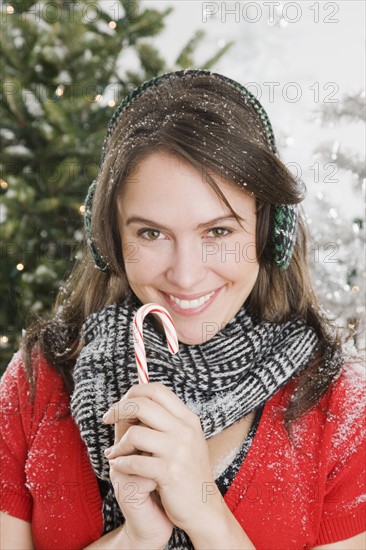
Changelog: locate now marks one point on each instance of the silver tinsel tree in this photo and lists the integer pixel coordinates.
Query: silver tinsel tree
(337, 252)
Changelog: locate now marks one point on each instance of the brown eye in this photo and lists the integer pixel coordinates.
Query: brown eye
(150, 234)
(220, 232)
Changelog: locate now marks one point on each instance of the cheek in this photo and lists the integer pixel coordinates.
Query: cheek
(249, 253)
(130, 253)
(242, 273)
(141, 265)
(234, 256)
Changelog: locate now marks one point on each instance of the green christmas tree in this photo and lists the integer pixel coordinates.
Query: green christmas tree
(62, 75)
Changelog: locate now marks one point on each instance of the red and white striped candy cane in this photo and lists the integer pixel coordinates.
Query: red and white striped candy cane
(138, 337)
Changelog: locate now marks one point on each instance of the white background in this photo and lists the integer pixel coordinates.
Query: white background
(319, 46)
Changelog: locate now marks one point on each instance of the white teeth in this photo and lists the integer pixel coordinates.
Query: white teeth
(190, 304)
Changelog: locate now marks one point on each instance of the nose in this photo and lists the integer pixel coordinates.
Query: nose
(186, 269)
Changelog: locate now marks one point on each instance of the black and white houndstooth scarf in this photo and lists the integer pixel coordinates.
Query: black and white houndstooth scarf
(221, 380)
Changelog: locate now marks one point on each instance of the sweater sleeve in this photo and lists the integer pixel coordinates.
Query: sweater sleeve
(344, 505)
(14, 408)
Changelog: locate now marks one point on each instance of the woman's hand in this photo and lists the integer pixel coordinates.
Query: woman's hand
(147, 525)
(178, 461)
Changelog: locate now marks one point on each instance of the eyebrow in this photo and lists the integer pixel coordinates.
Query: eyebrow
(137, 219)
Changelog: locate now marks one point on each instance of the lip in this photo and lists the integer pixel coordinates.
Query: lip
(193, 311)
(190, 296)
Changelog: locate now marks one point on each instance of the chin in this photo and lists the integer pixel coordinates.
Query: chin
(192, 340)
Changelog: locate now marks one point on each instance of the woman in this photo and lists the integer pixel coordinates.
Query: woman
(194, 210)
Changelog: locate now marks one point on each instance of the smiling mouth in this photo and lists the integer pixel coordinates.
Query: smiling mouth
(191, 306)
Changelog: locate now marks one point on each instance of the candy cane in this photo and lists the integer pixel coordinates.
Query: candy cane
(138, 338)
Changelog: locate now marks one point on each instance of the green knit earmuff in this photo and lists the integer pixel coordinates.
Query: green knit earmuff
(286, 215)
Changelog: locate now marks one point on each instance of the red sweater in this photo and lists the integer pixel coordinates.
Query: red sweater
(285, 497)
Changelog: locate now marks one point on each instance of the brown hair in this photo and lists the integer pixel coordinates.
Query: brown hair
(212, 126)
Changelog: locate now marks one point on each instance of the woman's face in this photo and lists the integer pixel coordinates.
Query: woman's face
(183, 249)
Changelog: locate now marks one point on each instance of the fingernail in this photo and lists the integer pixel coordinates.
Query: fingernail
(105, 416)
(108, 451)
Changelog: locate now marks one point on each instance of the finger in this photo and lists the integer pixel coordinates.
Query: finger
(147, 411)
(128, 487)
(120, 428)
(145, 466)
(124, 409)
(155, 495)
(139, 438)
(163, 395)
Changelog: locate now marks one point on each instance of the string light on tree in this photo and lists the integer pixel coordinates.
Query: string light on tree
(4, 341)
(20, 267)
(60, 90)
